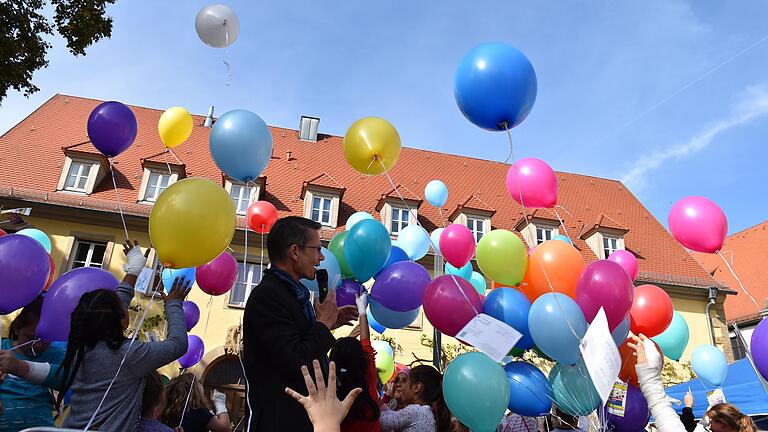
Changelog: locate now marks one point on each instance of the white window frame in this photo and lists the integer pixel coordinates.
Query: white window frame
(173, 177)
(89, 254)
(478, 228)
(546, 231)
(322, 211)
(95, 173)
(154, 189)
(251, 280)
(79, 177)
(464, 217)
(595, 241)
(398, 224)
(316, 191)
(251, 191)
(388, 210)
(530, 231)
(612, 247)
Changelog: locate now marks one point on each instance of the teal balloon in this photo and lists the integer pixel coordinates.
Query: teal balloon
(709, 364)
(465, 271)
(38, 235)
(476, 391)
(366, 248)
(357, 217)
(170, 274)
(675, 338)
(562, 238)
(573, 390)
(478, 281)
(434, 239)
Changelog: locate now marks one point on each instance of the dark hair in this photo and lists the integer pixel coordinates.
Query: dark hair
(288, 231)
(351, 364)
(177, 392)
(154, 394)
(97, 317)
(28, 317)
(432, 393)
(731, 417)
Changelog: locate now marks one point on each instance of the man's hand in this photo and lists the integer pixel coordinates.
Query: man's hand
(345, 316)
(327, 311)
(688, 399)
(10, 364)
(179, 289)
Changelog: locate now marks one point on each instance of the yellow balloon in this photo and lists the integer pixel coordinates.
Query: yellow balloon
(372, 145)
(191, 223)
(175, 126)
(385, 366)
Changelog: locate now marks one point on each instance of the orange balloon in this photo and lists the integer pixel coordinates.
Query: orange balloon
(629, 361)
(553, 266)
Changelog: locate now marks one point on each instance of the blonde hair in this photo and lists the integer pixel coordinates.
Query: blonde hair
(176, 395)
(731, 417)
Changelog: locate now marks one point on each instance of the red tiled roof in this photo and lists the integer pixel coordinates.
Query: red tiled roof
(393, 194)
(61, 122)
(748, 252)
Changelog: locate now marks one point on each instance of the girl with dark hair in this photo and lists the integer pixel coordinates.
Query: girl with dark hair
(153, 404)
(425, 409)
(356, 368)
(184, 392)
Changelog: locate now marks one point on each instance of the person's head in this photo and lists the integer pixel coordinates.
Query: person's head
(424, 386)
(351, 364)
(400, 380)
(725, 417)
(153, 400)
(24, 326)
(293, 245)
(176, 392)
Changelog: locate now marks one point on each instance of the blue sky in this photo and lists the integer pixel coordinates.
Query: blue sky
(669, 96)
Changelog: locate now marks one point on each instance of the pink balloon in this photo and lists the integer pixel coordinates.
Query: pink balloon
(457, 245)
(605, 284)
(698, 224)
(447, 308)
(218, 276)
(532, 183)
(627, 261)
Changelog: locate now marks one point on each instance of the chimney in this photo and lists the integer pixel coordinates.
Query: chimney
(308, 128)
(208, 122)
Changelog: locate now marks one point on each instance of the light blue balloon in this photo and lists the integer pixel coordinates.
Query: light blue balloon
(383, 346)
(436, 193)
(374, 324)
(392, 319)
(38, 235)
(476, 390)
(620, 333)
(573, 390)
(367, 248)
(552, 321)
(170, 274)
(478, 281)
(332, 266)
(357, 217)
(435, 239)
(675, 338)
(241, 144)
(414, 240)
(562, 238)
(465, 271)
(709, 364)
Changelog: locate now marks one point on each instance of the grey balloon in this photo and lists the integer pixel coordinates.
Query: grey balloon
(217, 25)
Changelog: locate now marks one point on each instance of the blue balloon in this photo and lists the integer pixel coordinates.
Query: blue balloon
(374, 324)
(478, 281)
(357, 217)
(241, 144)
(367, 248)
(434, 239)
(414, 240)
(392, 319)
(620, 333)
(383, 346)
(170, 274)
(573, 390)
(529, 391)
(464, 272)
(476, 391)
(38, 235)
(552, 321)
(436, 193)
(511, 307)
(495, 85)
(562, 237)
(709, 364)
(396, 254)
(332, 266)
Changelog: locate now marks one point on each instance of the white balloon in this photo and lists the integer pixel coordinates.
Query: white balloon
(217, 25)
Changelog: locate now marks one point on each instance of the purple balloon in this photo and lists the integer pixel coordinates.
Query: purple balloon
(195, 351)
(348, 292)
(64, 295)
(636, 414)
(24, 270)
(400, 287)
(605, 284)
(759, 346)
(191, 314)
(112, 128)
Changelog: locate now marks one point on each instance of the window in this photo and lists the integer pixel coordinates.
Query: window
(543, 234)
(739, 351)
(610, 244)
(88, 254)
(77, 177)
(156, 185)
(247, 278)
(241, 197)
(400, 218)
(321, 210)
(477, 226)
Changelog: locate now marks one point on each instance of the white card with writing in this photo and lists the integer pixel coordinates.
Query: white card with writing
(601, 355)
(142, 282)
(491, 336)
(715, 397)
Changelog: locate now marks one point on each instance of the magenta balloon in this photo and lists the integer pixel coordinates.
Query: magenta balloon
(218, 276)
(400, 287)
(457, 245)
(64, 295)
(24, 270)
(605, 284)
(532, 183)
(698, 224)
(195, 352)
(191, 314)
(447, 308)
(347, 293)
(627, 261)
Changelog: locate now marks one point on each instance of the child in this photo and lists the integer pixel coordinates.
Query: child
(425, 409)
(97, 348)
(356, 366)
(198, 416)
(153, 404)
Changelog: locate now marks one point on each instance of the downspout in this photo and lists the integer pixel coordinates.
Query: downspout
(712, 298)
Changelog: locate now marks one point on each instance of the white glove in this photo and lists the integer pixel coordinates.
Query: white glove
(135, 262)
(219, 400)
(652, 355)
(362, 303)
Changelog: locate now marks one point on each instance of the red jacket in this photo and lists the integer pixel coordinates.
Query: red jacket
(372, 380)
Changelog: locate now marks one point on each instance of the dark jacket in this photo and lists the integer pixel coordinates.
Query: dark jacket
(688, 420)
(277, 341)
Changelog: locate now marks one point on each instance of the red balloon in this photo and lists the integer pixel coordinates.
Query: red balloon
(629, 361)
(450, 302)
(50, 275)
(651, 311)
(261, 216)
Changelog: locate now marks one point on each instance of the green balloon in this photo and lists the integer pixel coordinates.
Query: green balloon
(675, 338)
(336, 246)
(476, 391)
(502, 257)
(573, 390)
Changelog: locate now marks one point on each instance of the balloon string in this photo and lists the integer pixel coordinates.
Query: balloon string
(208, 316)
(165, 156)
(511, 147)
(517, 181)
(21, 345)
(226, 59)
(743, 288)
(117, 197)
(563, 225)
(186, 402)
(442, 218)
(247, 384)
(245, 254)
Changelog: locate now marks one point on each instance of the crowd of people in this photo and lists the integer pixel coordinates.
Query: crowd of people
(110, 381)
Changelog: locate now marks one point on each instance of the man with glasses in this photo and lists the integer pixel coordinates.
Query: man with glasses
(283, 331)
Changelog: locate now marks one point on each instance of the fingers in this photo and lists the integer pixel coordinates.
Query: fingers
(135, 243)
(319, 379)
(308, 381)
(350, 399)
(146, 253)
(643, 337)
(332, 381)
(297, 396)
(331, 296)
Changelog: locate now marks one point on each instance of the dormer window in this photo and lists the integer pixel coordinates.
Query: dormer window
(544, 233)
(610, 245)
(477, 226)
(77, 177)
(475, 214)
(157, 177)
(157, 183)
(322, 198)
(604, 236)
(541, 225)
(398, 208)
(244, 194)
(322, 206)
(81, 172)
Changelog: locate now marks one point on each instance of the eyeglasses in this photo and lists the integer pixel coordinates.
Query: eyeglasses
(319, 249)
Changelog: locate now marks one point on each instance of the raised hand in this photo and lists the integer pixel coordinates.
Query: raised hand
(179, 289)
